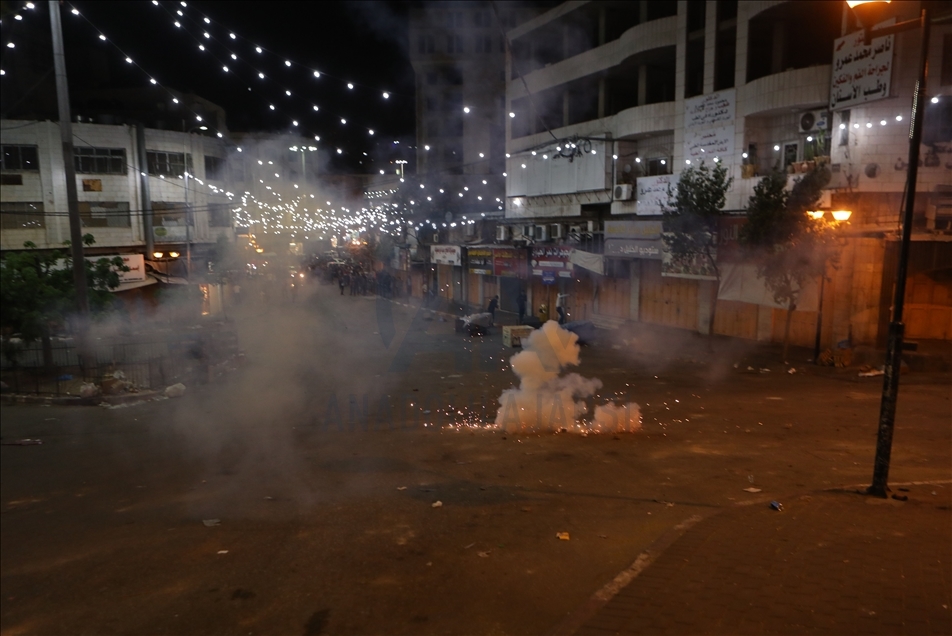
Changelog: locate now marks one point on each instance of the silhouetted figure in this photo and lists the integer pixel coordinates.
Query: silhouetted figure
(493, 304)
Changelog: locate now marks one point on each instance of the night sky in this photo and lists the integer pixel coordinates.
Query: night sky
(360, 42)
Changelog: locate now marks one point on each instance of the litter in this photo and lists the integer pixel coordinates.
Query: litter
(776, 505)
(88, 389)
(752, 489)
(467, 547)
(483, 554)
(210, 523)
(436, 504)
(751, 369)
(401, 487)
(792, 370)
(562, 536)
(175, 391)
(223, 552)
(23, 442)
(871, 373)
(765, 370)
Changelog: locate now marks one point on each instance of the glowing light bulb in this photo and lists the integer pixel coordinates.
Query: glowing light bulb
(271, 106)
(512, 115)
(343, 121)
(201, 47)
(128, 60)
(340, 152)
(776, 148)
(102, 37)
(386, 95)
(371, 132)
(152, 81)
(898, 117)
(842, 126)
(935, 100)
(261, 75)
(257, 49)
(350, 86)
(294, 123)
(224, 68)
(317, 73)
(288, 93)
(869, 124)
(315, 108)
(207, 34)
(232, 36)
(287, 62)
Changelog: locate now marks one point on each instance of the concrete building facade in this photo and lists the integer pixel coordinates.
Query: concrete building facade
(610, 102)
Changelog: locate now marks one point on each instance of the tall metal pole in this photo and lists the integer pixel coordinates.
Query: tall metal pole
(188, 234)
(146, 194)
(66, 137)
(887, 409)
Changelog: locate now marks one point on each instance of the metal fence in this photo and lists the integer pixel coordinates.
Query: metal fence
(153, 363)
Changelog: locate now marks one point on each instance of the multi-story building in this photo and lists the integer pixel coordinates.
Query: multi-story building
(609, 102)
(458, 53)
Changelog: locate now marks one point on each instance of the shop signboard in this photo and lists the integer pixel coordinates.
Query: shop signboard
(644, 230)
(652, 193)
(480, 260)
(553, 259)
(509, 262)
(445, 254)
(861, 73)
(634, 248)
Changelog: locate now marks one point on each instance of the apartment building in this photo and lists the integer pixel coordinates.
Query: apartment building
(608, 102)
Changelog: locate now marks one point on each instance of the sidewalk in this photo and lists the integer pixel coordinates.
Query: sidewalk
(834, 562)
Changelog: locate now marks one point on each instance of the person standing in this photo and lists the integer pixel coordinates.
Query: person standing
(521, 301)
(493, 304)
(560, 307)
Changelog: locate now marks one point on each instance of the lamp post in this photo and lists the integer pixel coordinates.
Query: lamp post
(867, 12)
(188, 235)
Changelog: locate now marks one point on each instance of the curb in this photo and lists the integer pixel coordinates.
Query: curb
(74, 400)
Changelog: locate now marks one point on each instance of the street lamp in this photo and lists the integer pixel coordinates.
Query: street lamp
(188, 235)
(869, 13)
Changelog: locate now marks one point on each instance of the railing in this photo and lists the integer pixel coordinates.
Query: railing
(61, 368)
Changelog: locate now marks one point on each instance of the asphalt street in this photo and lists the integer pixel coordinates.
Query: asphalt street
(298, 493)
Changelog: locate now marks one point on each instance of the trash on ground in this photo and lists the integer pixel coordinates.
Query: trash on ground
(752, 489)
(175, 391)
(562, 536)
(401, 487)
(436, 504)
(765, 370)
(751, 368)
(223, 552)
(776, 505)
(23, 442)
(792, 370)
(467, 547)
(901, 497)
(88, 389)
(483, 554)
(871, 373)
(209, 523)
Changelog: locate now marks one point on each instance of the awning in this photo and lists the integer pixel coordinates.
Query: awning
(587, 260)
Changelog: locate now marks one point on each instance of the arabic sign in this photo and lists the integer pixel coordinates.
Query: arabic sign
(509, 262)
(480, 260)
(552, 260)
(445, 254)
(652, 192)
(634, 248)
(632, 230)
(709, 143)
(860, 73)
(709, 110)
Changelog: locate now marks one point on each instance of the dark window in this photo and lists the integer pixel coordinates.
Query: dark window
(454, 44)
(658, 166)
(214, 167)
(11, 179)
(425, 44)
(21, 216)
(483, 44)
(167, 163)
(694, 52)
(725, 45)
(696, 13)
(104, 214)
(99, 160)
(17, 157)
(219, 215)
(237, 170)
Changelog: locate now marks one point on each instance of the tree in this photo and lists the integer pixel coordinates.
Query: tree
(790, 247)
(691, 217)
(38, 293)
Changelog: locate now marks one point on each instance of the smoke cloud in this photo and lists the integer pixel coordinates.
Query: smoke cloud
(547, 401)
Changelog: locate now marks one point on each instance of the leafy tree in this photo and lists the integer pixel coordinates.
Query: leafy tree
(789, 246)
(691, 217)
(38, 295)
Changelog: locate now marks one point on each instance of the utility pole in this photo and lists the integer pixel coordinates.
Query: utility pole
(66, 136)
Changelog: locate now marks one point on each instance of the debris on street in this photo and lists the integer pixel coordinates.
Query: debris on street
(776, 505)
(562, 536)
(210, 523)
(752, 489)
(436, 504)
(175, 391)
(23, 442)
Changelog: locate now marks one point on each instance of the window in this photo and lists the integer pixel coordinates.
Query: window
(425, 44)
(16, 157)
(11, 179)
(169, 214)
(100, 160)
(454, 44)
(214, 167)
(946, 77)
(21, 216)
(481, 19)
(103, 214)
(483, 44)
(658, 166)
(219, 215)
(167, 163)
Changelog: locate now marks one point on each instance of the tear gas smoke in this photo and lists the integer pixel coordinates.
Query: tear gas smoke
(547, 401)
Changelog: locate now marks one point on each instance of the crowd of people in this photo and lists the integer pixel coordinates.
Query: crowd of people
(351, 277)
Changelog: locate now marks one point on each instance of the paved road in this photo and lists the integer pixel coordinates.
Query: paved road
(322, 465)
